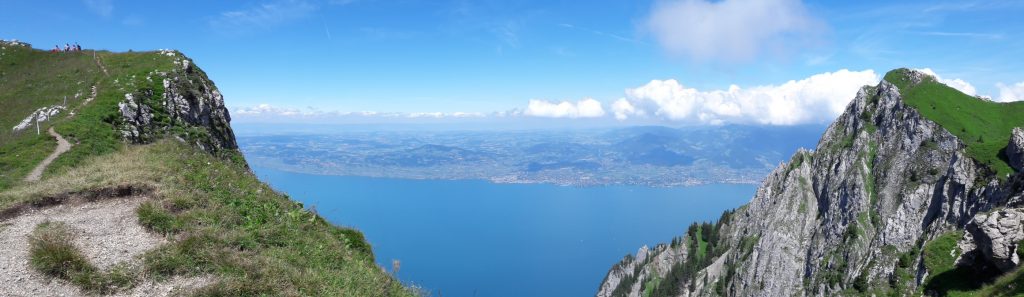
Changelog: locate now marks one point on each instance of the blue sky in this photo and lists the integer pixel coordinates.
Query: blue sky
(686, 61)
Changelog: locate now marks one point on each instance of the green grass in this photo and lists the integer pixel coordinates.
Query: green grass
(983, 126)
(52, 252)
(19, 156)
(702, 244)
(940, 254)
(944, 277)
(1010, 284)
(30, 79)
(650, 286)
(226, 223)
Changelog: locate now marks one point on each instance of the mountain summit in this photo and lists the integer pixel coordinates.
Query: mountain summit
(915, 188)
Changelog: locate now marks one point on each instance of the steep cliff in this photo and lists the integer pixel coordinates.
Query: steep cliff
(891, 183)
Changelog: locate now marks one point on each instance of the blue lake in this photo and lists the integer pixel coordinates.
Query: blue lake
(476, 238)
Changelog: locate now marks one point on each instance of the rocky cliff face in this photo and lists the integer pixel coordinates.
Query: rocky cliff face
(853, 214)
(186, 104)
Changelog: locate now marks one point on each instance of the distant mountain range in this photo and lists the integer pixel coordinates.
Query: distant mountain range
(646, 155)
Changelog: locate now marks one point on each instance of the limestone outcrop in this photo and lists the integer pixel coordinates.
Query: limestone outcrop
(994, 240)
(188, 105)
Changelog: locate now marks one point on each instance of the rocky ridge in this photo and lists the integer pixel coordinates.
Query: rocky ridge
(186, 104)
(853, 215)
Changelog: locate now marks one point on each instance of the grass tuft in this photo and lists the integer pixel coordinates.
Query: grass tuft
(53, 253)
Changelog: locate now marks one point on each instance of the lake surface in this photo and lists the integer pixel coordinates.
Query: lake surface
(476, 238)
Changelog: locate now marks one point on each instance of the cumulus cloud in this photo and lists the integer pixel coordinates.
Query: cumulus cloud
(819, 98)
(729, 30)
(1007, 93)
(956, 83)
(586, 108)
(623, 109)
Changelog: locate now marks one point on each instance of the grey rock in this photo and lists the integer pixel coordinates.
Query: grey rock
(995, 238)
(137, 118)
(1015, 150)
(628, 275)
(189, 100)
(14, 42)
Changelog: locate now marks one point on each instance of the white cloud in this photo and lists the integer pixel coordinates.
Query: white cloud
(819, 98)
(586, 108)
(729, 30)
(1014, 92)
(264, 15)
(956, 83)
(103, 8)
(623, 109)
(271, 111)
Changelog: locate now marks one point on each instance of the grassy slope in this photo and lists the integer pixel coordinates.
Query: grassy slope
(984, 126)
(223, 220)
(30, 79)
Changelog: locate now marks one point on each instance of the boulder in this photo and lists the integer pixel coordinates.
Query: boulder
(993, 239)
(1015, 150)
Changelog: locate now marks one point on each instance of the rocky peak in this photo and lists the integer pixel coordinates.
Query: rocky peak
(855, 213)
(906, 77)
(190, 107)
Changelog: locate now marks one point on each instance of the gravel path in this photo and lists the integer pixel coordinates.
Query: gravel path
(107, 232)
(62, 146)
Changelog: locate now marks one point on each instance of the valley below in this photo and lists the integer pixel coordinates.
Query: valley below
(645, 156)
